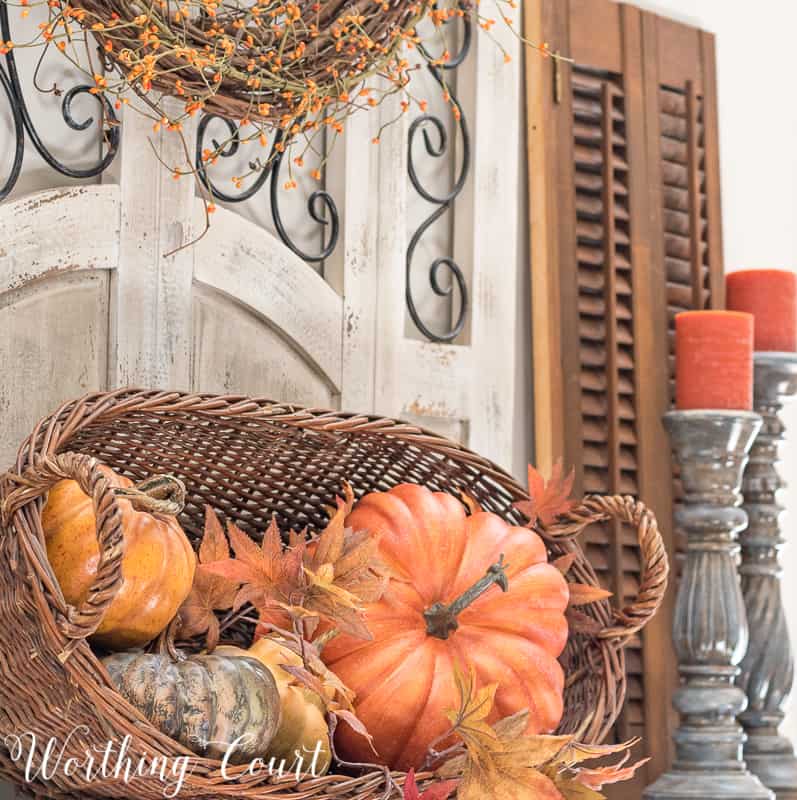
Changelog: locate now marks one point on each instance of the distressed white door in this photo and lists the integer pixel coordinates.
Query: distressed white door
(90, 298)
(472, 389)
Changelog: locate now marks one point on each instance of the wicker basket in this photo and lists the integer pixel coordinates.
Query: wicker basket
(248, 458)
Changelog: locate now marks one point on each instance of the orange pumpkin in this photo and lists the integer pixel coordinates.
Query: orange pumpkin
(157, 567)
(443, 608)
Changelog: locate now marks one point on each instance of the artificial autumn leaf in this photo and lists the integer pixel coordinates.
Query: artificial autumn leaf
(471, 503)
(582, 783)
(500, 762)
(599, 776)
(469, 722)
(304, 677)
(578, 752)
(565, 562)
(337, 699)
(548, 499)
(582, 594)
(344, 571)
(355, 723)
(210, 592)
(571, 789)
(328, 577)
(258, 568)
(438, 791)
(314, 675)
(577, 622)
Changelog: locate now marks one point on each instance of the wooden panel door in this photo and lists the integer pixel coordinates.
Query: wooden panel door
(625, 232)
(98, 290)
(264, 322)
(89, 299)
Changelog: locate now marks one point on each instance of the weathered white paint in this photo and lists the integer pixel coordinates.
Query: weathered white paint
(57, 248)
(54, 337)
(254, 270)
(467, 387)
(351, 177)
(490, 237)
(151, 291)
(237, 352)
(58, 230)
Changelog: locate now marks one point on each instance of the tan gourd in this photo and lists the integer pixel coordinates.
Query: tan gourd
(303, 723)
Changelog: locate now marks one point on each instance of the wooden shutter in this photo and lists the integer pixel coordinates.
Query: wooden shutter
(625, 231)
(683, 153)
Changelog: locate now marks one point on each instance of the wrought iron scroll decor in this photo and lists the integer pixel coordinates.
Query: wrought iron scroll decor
(12, 86)
(320, 204)
(438, 149)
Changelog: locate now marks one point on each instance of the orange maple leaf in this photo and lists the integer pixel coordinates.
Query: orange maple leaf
(548, 499)
(344, 571)
(565, 562)
(597, 777)
(437, 791)
(209, 592)
(267, 573)
(328, 577)
(582, 594)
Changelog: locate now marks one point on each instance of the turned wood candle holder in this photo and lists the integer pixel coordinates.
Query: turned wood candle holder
(768, 668)
(710, 631)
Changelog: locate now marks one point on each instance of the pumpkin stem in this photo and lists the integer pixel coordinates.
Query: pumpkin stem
(165, 644)
(441, 620)
(160, 494)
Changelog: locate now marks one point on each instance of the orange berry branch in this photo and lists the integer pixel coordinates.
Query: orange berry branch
(286, 71)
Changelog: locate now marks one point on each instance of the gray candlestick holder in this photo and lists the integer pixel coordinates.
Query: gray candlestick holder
(709, 625)
(768, 668)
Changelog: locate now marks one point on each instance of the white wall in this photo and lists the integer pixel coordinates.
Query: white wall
(758, 148)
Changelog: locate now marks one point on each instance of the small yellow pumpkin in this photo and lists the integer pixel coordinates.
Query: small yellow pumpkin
(303, 724)
(157, 567)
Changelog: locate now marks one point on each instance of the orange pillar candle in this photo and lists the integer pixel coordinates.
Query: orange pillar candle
(714, 360)
(770, 295)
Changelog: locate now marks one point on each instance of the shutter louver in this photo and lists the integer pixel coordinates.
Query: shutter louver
(606, 339)
(686, 149)
(625, 232)
(686, 261)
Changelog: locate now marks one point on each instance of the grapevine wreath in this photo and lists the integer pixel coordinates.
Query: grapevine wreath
(300, 64)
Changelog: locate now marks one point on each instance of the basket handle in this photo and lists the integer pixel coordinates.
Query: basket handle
(655, 565)
(81, 621)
